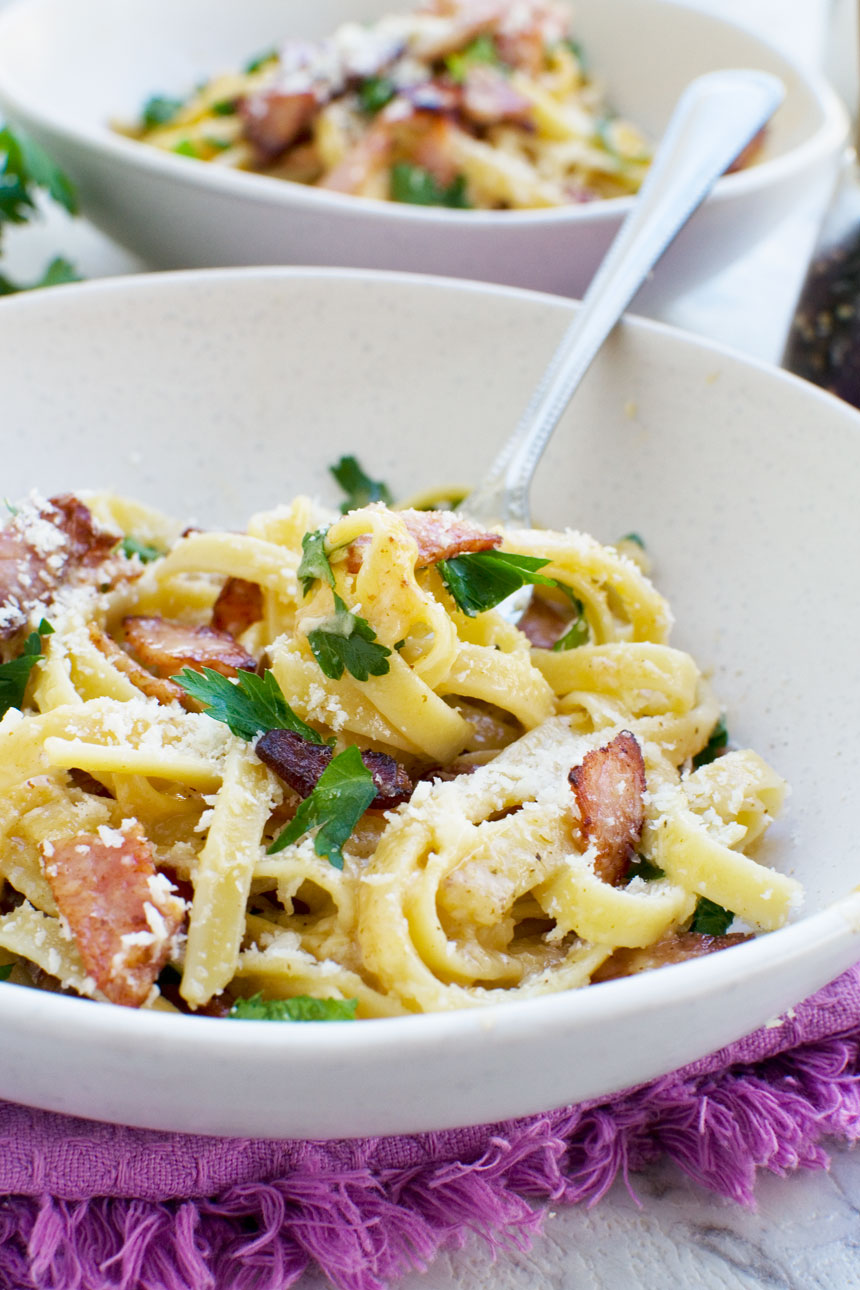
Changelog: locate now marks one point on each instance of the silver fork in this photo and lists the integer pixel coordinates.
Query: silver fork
(715, 118)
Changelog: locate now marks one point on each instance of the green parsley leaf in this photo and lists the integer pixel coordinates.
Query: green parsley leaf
(26, 165)
(711, 919)
(360, 489)
(314, 563)
(185, 148)
(344, 640)
(57, 272)
(145, 551)
(343, 793)
(226, 107)
(374, 93)
(6, 971)
(302, 1007)
(644, 868)
(633, 537)
(578, 633)
(481, 51)
(250, 705)
(15, 674)
(417, 187)
(715, 746)
(482, 579)
(578, 52)
(160, 109)
(260, 60)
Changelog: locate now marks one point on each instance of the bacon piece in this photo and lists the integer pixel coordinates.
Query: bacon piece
(238, 607)
(370, 155)
(167, 646)
(122, 913)
(460, 22)
(41, 547)
(154, 687)
(300, 763)
(543, 623)
(440, 535)
(273, 119)
(675, 948)
(608, 788)
(489, 98)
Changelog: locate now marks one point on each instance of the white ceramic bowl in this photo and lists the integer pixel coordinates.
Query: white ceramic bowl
(214, 394)
(67, 67)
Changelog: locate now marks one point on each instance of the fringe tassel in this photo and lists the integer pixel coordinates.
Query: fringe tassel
(365, 1229)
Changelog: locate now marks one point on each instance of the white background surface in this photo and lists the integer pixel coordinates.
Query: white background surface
(806, 1232)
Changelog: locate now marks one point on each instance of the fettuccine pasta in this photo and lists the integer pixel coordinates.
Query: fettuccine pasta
(316, 760)
(463, 103)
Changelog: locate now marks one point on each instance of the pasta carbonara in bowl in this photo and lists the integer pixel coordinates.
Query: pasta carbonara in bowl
(474, 138)
(287, 798)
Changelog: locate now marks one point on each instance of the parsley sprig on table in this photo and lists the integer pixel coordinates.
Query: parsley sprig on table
(302, 1007)
(15, 674)
(25, 168)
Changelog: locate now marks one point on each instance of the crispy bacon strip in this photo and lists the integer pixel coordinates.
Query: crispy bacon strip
(675, 948)
(489, 98)
(166, 647)
(300, 763)
(608, 788)
(439, 535)
(41, 547)
(543, 623)
(274, 118)
(122, 913)
(155, 687)
(238, 607)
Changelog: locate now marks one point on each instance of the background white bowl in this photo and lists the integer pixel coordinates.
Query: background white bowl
(68, 67)
(214, 394)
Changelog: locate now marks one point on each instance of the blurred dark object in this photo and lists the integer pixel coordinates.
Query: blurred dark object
(824, 341)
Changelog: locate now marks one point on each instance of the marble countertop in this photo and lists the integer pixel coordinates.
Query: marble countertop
(805, 1233)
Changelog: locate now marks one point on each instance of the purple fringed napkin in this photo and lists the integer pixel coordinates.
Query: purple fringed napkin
(91, 1206)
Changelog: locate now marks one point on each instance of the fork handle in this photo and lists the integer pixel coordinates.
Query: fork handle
(716, 117)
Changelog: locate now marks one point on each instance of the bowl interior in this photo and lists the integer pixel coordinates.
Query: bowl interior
(211, 395)
(83, 63)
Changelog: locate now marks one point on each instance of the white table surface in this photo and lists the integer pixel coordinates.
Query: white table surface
(805, 1234)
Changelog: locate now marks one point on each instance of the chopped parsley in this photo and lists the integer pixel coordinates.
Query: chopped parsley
(186, 148)
(302, 1007)
(711, 919)
(346, 641)
(578, 52)
(248, 706)
(360, 489)
(314, 565)
(375, 93)
(145, 551)
(578, 632)
(343, 793)
(226, 107)
(417, 187)
(15, 674)
(481, 52)
(260, 60)
(633, 537)
(24, 168)
(6, 971)
(160, 109)
(483, 579)
(645, 869)
(715, 747)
